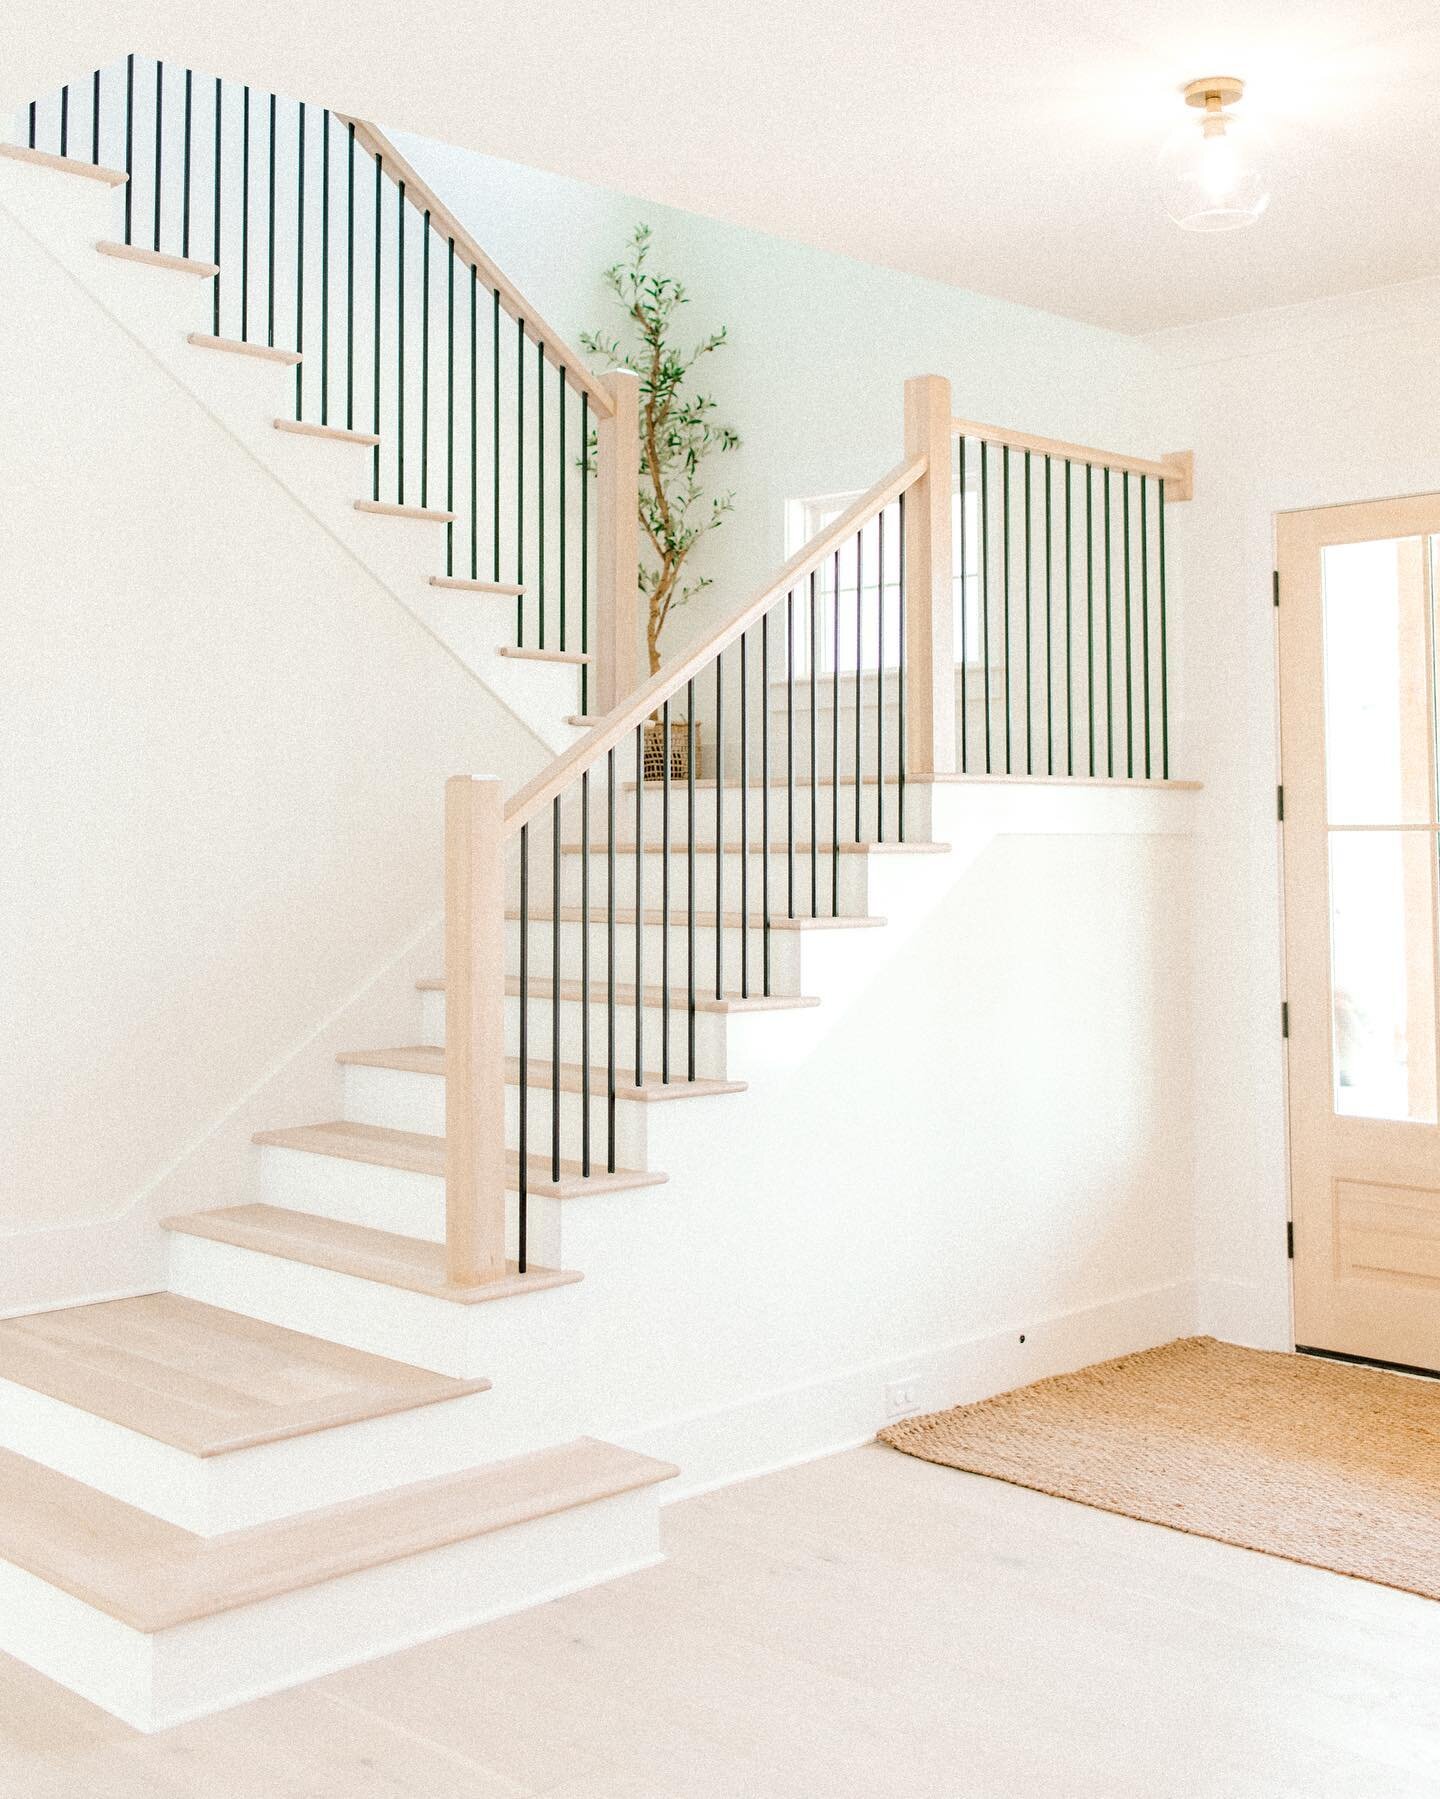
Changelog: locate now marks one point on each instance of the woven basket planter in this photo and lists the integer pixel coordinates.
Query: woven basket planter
(679, 749)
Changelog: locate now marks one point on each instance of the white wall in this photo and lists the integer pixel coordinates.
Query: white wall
(1306, 406)
(223, 746)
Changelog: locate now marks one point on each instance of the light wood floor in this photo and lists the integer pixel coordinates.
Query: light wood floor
(864, 1626)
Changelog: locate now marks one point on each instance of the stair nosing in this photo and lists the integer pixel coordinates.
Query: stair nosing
(429, 1059)
(653, 997)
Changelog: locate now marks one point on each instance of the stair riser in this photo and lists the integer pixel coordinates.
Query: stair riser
(389, 1199)
(784, 951)
(872, 814)
(190, 1670)
(212, 1494)
(852, 882)
(710, 1032)
(434, 1333)
(416, 1102)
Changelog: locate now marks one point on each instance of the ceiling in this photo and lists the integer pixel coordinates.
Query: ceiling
(1003, 145)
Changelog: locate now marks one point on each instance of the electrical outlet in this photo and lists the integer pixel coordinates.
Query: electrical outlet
(902, 1396)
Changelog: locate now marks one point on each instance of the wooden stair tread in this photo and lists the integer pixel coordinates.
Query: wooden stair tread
(204, 340)
(584, 719)
(354, 1249)
(679, 917)
(540, 987)
(203, 1380)
(777, 848)
(460, 584)
(65, 165)
(158, 259)
(429, 1058)
(575, 657)
(392, 509)
(417, 1153)
(152, 1575)
(331, 433)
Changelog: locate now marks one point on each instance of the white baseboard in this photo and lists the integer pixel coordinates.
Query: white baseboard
(790, 1425)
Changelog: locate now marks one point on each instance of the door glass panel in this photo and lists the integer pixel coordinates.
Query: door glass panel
(1382, 945)
(1378, 727)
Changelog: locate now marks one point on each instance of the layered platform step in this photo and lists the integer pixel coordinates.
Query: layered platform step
(157, 1624)
(216, 1422)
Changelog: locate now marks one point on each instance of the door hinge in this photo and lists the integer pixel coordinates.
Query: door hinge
(1284, 1018)
(1280, 804)
(1275, 585)
(1290, 1238)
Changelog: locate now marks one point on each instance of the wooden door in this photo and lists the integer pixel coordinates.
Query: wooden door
(1361, 839)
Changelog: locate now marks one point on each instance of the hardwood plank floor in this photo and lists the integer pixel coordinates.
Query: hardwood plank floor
(860, 1627)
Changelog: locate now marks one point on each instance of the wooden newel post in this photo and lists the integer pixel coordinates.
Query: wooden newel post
(615, 641)
(474, 1031)
(929, 571)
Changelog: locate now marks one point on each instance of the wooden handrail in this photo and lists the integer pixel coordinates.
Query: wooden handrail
(556, 350)
(1176, 470)
(624, 718)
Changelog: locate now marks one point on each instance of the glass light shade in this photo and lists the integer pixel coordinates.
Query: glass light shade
(1210, 174)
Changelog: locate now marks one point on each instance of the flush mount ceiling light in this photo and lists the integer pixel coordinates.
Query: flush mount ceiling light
(1209, 166)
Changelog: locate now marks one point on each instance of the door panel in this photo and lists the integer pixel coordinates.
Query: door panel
(1362, 866)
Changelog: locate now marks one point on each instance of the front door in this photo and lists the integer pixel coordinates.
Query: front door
(1361, 841)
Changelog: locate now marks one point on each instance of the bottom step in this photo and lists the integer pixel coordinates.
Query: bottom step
(157, 1625)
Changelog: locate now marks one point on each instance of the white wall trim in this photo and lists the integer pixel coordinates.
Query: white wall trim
(801, 1423)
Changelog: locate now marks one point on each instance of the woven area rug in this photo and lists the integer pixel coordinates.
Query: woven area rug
(1310, 1460)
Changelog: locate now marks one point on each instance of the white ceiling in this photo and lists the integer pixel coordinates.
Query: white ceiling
(1004, 145)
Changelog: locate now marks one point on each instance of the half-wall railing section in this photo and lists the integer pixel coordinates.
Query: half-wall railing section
(1061, 620)
(322, 241)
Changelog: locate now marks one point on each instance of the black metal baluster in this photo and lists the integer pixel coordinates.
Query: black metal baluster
(1164, 673)
(900, 683)
(185, 164)
(300, 262)
(765, 800)
(1069, 630)
(495, 446)
(524, 1177)
(1090, 608)
(1145, 612)
(1129, 647)
(610, 1077)
(159, 145)
(95, 119)
(1109, 645)
(425, 235)
(474, 423)
(245, 216)
(585, 973)
(1005, 589)
(400, 342)
(744, 829)
(540, 487)
(665, 893)
(964, 609)
(880, 668)
(33, 109)
(450, 404)
(719, 828)
(1049, 631)
(129, 141)
(690, 864)
(859, 660)
(270, 235)
(215, 203)
(379, 226)
(325, 266)
(350, 280)
(555, 988)
(585, 558)
(560, 397)
(985, 585)
(814, 753)
(1029, 656)
(520, 480)
(835, 738)
(790, 748)
(65, 121)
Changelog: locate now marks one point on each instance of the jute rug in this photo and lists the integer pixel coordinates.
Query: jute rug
(1310, 1460)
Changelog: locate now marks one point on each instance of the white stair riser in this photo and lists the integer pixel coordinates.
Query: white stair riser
(403, 1101)
(389, 1199)
(212, 1494)
(435, 1333)
(190, 1670)
(711, 1053)
(784, 949)
(873, 816)
(852, 889)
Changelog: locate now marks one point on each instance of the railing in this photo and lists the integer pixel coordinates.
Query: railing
(1061, 628)
(322, 240)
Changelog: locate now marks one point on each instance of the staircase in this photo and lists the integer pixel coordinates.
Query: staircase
(361, 1413)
